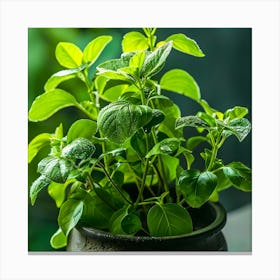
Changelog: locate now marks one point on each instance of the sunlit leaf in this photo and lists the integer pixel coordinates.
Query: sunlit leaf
(186, 45)
(134, 41)
(93, 49)
(180, 81)
(46, 104)
(37, 143)
(68, 55)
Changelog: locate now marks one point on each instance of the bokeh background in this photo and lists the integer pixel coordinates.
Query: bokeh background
(223, 75)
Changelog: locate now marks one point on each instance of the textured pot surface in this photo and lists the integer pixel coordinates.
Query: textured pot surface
(207, 236)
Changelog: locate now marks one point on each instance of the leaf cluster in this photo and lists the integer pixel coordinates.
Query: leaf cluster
(120, 167)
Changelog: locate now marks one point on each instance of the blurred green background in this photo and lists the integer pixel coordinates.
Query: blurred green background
(223, 75)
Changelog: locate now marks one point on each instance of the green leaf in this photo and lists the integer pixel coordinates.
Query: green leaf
(192, 121)
(120, 120)
(137, 60)
(69, 215)
(157, 117)
(134, 41)
(233, 175)
(167, 146)
(211, 121)
(239, 127)
(194, 141)
(39, 184)
(210, 111)
(131, 224)
(236, 112)
(116, 220)
(197, 187)
(93, 49)
(171, 112)
(82, 128)
(110, 69)
(155, 60)
(46, 104)
(240, 175)
(180, 81)
(79, 148)
(62, 76)
(186, 45)
(96, 212)
(168, 220)
(170, 164)
(55, 169)
(119, 152)
(59, 131)
(138, 143)
(57, 192)
(37, 143)
(68, 55)
(58, 239)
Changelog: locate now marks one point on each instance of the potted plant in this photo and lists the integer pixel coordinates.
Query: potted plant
(122, 176)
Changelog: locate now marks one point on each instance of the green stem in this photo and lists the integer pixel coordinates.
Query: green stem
(91, 183)
(113, 183)
(216, 146)
(140, 195)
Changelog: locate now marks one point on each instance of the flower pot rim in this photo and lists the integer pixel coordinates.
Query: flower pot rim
(212, 228)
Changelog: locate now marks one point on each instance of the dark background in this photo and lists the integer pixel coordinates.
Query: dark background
(223, 75)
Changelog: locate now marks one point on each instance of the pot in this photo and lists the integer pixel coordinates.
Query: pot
(208, 222)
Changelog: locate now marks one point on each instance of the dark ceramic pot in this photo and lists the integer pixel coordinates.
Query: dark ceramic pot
(208, 222)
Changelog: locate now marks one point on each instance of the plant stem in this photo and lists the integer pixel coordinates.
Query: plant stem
(142, 183)
(113, 183)
(216, 146)
(91, 183)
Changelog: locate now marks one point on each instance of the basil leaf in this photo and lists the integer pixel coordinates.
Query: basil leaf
(171, 112)
(93, 49)
(197, 187)
(192, 121)
(131, 224)
(138, 143)
(39, 184)
(155, 60)
(236, 112)
(180, 81)
(120, 120)
(46, 104)
(58, 239)
(168, 220)
(167, 146)
(238, 127)
(82, 128)
(134, 41)
(57, 192)
(37, 143)
(186, 45)
(68, 55)
(194, 141)
(55, 169)
(157, 117)
(69, 215)
(62, 76)
(96, 212)
(80, 148)
(240, 175)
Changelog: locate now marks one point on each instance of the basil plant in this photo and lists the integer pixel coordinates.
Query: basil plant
(126, 167)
